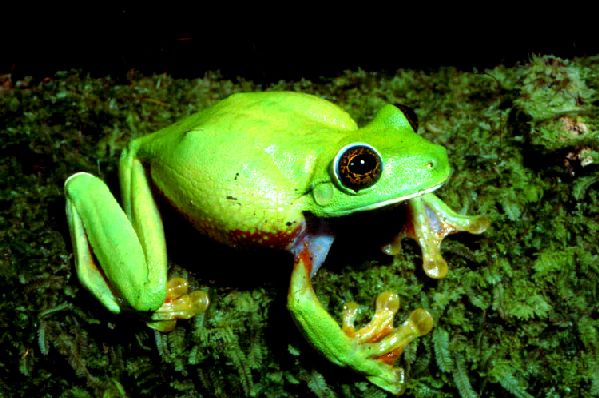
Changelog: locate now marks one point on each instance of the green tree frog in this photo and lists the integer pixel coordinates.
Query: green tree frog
(275, 170)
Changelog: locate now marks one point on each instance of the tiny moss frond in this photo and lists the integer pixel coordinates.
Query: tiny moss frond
(504, 375)
(318, 385)
(460, 377)
(442, 351)
(42, 337)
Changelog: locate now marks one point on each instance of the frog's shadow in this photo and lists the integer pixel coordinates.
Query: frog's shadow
(358, 239)
(217, 264)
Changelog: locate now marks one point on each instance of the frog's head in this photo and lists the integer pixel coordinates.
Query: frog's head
(383, 163)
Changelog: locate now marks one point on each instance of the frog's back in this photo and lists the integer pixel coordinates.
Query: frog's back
(243, 165)
(280, 109)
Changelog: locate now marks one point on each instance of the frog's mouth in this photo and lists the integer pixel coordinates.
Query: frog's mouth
(390, 201)
(397, 200)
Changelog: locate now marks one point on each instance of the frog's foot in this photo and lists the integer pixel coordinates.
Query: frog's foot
(373, 349)
(379, 338)
(380, 341)
(430, 220)
(178, 305)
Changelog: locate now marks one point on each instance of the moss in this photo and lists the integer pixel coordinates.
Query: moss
(517, 314)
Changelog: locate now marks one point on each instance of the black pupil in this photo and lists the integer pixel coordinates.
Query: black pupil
(358, 167)
(362, 164)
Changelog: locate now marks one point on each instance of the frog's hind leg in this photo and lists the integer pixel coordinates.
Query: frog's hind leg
(130, 272)
(101, 230)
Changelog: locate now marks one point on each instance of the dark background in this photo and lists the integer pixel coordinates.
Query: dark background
(291, 41)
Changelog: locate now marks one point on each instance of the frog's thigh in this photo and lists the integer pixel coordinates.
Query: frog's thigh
(98, 223)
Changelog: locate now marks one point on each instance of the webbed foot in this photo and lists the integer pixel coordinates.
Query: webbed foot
(178, 305)
(384, 343)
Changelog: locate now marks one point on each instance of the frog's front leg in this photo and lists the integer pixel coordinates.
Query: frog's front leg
(130, 249)
(429, 221)
(371, 350)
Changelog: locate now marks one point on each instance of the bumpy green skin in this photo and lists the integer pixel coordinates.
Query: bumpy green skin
(245, 172)
(253, 163)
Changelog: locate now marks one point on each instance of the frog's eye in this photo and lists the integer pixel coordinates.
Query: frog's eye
(410, 115)
(358, 166)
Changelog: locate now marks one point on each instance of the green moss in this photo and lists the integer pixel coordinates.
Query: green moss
(517, 314)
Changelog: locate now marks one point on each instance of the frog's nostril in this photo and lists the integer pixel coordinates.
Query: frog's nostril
(437, 161)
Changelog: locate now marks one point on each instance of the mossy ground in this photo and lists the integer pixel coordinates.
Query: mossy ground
(517, 315)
